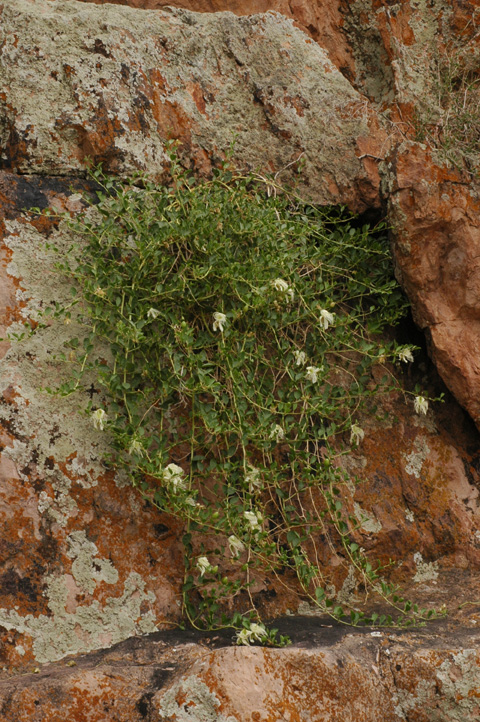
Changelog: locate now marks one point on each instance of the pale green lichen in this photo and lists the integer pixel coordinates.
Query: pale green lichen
(406, 73)
(414, 72)
(305, 609)
(367, 521)
(54, 439)
(416, 458)
(426, 571)
(373, 72)
(57, 594)
(89, 627)
(460, 684)
(87, 568)
(451, 695)
(405, 701)
(61, 507)
(347, 595)
(199, 703)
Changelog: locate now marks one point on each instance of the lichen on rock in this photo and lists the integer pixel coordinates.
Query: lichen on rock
(115, 83)
(89, 627)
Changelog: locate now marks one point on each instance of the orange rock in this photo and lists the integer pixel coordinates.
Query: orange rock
(71, 574)
(329, 674)
(84, 562)
(435, 219)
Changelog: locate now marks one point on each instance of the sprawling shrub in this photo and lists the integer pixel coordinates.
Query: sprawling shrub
(241, 327)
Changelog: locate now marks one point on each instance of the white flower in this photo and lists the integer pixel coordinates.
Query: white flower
(173, 474)
(100, 292)
(219, 321)
(136, 448)
(236, 546)
(99, 417)
(256, 633)
(203, 565)
(277, 433)
(300, 357)
(282, 286)
(326, 318)
(252, 477)
(244, 637)
(254, 519)
(312, 374)
(420, 405)
(153, 313)
(357, 434)
(405, 355)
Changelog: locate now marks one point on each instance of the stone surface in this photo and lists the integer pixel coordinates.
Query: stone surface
(383, 48)
(72, 574)
(435, 214)
(117, 83)
(322, 21)
(329, 673)
(84, 562)
(391, 54)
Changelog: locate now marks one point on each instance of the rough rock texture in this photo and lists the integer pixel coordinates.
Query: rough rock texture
(322, 21)
(73, 577)
(329, 674)
(435, 213)
(115, 83)
(383, 48)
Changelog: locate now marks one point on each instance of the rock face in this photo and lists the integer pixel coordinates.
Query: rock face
(115, 84)
(435, 213)
(321, 21)
(116, 90)
(327, 674)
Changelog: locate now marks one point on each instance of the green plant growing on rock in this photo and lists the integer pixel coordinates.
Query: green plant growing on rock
(240, 328)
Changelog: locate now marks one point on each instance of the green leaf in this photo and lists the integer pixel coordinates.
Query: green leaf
(293, 538)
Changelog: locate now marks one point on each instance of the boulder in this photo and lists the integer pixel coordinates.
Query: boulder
(117, 83)
(73, 575)
(328, 673)
(323, 22)
(86, 562)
